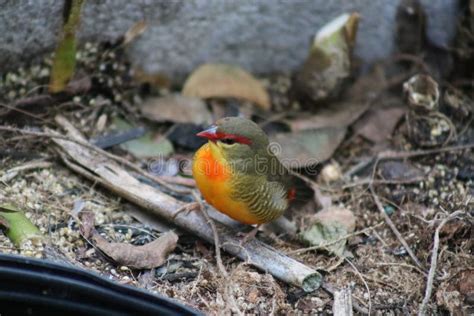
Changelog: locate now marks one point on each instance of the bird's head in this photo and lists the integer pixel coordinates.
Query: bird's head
(236, 138)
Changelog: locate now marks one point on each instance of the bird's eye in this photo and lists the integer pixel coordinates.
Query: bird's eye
(228, 141)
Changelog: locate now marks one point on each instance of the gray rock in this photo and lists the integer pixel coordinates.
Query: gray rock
(263, 36)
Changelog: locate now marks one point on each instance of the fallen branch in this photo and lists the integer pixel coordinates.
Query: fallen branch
(434, 262)
(101, 169)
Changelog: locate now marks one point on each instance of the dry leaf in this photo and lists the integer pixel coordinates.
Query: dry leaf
(308, 147)
(177, 109)
(136, 30)
(148, 256)
(378, 124)
(149, 145)
(338, 114)
(226, 81)
(329, 226)
(328, 64)
(87, 223)
(400, 171)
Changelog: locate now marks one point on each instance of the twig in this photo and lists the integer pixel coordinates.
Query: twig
(369, 181)
(389, 154)
(406, 265)
(408, 154)
(324, 245)
(217, 243)
(434, 262)
(13, 172)
(394, 229)
(363, 281)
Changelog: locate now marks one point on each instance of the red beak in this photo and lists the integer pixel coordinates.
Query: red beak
(210, 133)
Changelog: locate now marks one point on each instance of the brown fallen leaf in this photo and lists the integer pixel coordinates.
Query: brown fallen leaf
(307, 147)
(335, 115)
(87, 223)
(148, 256)
(378, 124)
(400, 171)
(226, 81)
(177, 109)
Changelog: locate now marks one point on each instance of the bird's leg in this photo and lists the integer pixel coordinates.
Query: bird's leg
(250, 235)
(187, 208)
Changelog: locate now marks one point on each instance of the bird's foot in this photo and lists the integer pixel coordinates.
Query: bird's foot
(187, 208)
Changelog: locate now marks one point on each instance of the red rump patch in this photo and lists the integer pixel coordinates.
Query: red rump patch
(291, 194)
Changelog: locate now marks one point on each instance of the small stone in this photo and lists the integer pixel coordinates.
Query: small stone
(331, 172)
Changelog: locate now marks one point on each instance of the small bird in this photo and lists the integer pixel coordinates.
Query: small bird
(237, 172)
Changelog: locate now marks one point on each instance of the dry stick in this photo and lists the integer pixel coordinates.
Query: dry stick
(217, 244)
(369, 181)
(13, 172)
(405, 265)
(107, 173)
(324, 245)
(434, 262)
(394, 229)
(81, 141)
(408, 154)
(363, 281)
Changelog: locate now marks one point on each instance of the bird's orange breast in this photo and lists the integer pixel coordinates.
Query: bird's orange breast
(214, 179)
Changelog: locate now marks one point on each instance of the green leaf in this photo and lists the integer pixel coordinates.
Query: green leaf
(145, 146)
(19, 228)
(329, 228)
(64, 61)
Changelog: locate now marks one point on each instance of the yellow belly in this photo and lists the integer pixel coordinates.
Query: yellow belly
(213, 176)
